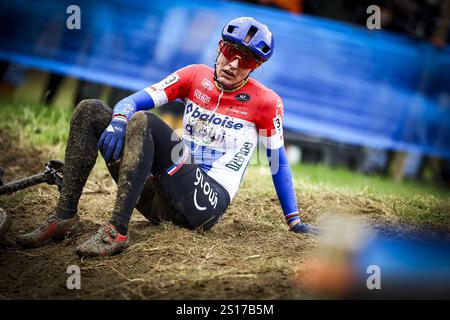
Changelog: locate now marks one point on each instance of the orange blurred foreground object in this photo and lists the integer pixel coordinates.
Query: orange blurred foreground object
(326, 279)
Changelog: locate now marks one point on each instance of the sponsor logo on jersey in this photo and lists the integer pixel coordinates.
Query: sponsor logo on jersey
(207, 84)
(242, 97)
(240, 157)
(280, 108)
(214, 118)
(202, 96)
(205, 187)
(233, 110)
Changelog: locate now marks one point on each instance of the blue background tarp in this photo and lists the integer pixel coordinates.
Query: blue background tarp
(340, 82)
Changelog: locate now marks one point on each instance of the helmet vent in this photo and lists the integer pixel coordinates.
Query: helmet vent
(230, 29)
(265, 49)
(250, 34)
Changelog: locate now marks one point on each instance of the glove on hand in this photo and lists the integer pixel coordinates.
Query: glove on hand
(112, 140)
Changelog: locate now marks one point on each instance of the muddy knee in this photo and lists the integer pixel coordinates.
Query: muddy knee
(138, 123)
(92, 110)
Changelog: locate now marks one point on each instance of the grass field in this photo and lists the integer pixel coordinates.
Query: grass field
(249, 254)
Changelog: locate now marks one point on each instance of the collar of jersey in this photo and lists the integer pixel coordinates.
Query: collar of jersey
(221, 88)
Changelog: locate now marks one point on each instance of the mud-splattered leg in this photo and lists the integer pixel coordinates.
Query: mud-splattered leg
(134, 170)
(138, 163)
(149, 203)
(89, 120)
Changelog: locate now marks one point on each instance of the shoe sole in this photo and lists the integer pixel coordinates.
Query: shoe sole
(80, 253)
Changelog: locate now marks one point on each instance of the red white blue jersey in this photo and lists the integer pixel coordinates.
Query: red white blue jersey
(222, 128)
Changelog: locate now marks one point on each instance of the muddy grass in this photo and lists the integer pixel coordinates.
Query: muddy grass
(248, 255)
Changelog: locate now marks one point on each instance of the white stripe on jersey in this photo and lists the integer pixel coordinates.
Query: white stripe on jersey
(158, 96)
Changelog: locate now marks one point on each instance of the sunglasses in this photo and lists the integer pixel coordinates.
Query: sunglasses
(231, 52)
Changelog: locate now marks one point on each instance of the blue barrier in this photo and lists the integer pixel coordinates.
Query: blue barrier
(338, 81)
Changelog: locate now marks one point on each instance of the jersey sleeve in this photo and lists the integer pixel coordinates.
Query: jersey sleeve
(270, 128)
(270, 122)
(176, 85)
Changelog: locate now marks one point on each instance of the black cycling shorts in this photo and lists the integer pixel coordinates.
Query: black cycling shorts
(179, 191)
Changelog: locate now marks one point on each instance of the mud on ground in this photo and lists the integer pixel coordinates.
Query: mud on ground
(248, 255)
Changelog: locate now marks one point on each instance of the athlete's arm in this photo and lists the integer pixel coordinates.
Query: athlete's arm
(284, 184)
(138, 101)
(270, 128)
(174, 86)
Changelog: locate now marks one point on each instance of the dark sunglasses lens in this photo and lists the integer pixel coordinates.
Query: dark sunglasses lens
(248, 62)
(245, 61)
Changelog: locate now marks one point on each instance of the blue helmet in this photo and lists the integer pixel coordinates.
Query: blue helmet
(250, 34)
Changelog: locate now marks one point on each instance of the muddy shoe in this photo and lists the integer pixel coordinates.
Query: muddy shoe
(107, 241)
(54, 228)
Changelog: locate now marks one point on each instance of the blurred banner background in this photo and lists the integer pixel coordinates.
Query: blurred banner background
(340, 82)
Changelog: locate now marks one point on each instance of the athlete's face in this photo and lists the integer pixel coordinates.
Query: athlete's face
(229, 71)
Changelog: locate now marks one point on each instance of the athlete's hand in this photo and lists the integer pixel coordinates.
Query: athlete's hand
(301, 227)
(112, 139)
